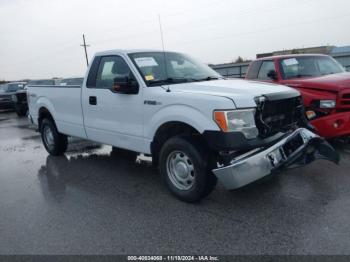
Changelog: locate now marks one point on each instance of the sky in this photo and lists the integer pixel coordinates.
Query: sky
(42, 38)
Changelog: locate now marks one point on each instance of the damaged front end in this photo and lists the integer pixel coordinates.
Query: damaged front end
(299, 148)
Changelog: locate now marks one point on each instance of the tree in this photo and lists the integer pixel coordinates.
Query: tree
(239, 60)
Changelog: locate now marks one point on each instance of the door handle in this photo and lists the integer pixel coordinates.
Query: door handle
(92, 100)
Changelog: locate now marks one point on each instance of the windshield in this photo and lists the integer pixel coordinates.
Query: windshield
(309, 66)
(179, 68)
(14, 87)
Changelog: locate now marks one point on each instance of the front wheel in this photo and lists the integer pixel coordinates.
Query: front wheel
(54, 142)
(185, 169)
(21, 111)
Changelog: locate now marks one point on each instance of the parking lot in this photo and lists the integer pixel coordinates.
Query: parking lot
(94, 202)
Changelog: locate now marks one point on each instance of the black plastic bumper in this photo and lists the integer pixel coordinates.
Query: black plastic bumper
(221, 141)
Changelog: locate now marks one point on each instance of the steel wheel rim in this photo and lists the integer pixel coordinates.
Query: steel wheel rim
(48, 137)
(180, 170)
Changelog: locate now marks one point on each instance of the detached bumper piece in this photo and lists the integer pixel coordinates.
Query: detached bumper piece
(297, 149)
(30, 119)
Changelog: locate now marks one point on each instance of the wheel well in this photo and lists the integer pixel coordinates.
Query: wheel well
(169, 130)
(44, 113)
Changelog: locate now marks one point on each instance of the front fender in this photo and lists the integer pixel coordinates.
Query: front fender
(310, 95)
(179, 113)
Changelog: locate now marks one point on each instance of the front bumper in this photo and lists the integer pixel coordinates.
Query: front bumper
(6, 102)
(299, 148)
(333, 125)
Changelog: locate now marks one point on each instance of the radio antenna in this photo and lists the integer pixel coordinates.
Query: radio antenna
(161, 31)
(164, 55)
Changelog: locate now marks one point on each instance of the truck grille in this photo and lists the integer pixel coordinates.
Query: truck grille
(278, 115)
(5, 98)
(345, 99)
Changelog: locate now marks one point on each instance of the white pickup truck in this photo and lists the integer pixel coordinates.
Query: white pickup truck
(198, 126)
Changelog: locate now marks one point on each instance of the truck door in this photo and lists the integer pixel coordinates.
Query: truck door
(110, 117)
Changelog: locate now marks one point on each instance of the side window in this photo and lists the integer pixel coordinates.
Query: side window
(253, 70)
(111, 68)
(265, 68)
(91, 80)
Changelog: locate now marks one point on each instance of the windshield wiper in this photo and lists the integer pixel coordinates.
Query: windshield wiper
(208, 78)
(300, 76)
(169, 80)
(172, 80)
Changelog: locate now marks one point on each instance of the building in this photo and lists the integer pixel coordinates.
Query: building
(238, 70)
(326, 50)
(342, 55)
(232, 70)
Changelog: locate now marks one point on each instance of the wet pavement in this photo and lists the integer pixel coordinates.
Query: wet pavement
(92, 201)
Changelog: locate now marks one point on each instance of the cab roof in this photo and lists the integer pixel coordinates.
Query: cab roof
(127, 51)
(288, 56)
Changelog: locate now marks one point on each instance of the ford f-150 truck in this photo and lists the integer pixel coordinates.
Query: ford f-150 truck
(322, 82)
(197, 126)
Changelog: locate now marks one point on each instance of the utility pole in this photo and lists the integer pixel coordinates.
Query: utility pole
(85, 46)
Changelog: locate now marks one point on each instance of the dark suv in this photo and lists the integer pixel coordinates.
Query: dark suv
(20, 97)
(8, 94)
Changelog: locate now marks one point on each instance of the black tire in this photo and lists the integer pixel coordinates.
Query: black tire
(204, 181)
(59, 141)
(21, 112)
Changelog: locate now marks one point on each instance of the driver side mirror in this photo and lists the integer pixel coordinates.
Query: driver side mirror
(125, 85)
(272, 75)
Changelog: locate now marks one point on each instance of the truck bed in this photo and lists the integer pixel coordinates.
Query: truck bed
(64, 104)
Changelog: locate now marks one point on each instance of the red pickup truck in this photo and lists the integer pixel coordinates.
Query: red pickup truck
(323, 83)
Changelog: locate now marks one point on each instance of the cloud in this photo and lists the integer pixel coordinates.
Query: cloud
(41, 39)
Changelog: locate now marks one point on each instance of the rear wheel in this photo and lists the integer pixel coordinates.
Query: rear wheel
(54, 142)
(185, 169)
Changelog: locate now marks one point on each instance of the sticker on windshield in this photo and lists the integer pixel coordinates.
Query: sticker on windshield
(149, 78)
(290, 62)
(146, 61)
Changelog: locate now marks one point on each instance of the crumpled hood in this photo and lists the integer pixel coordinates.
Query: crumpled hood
(333, 82)
(242, 92)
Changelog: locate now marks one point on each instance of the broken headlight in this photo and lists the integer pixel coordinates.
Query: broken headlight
(237, 121)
